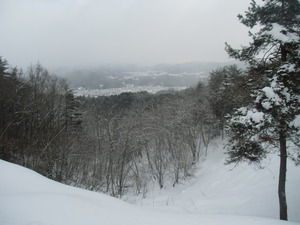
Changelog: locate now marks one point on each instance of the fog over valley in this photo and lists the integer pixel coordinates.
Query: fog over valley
(115, 79)
(89, 33)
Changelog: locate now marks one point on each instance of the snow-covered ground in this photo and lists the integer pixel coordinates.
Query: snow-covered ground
(217, 195)
(230, 190)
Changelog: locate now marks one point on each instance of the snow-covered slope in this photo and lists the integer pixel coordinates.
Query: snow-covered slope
(240, 190)
(216, 196)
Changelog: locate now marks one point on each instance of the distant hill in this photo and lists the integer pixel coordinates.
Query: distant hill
(119, 76)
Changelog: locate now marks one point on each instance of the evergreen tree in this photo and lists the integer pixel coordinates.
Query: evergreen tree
(273, 116)
(3, 67)
(227, 91)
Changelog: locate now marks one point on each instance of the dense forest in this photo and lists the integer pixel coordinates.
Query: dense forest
(116, 143)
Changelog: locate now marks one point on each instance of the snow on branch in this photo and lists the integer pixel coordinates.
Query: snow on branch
(281, 34)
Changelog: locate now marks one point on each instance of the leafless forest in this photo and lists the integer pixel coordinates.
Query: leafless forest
(112, 144)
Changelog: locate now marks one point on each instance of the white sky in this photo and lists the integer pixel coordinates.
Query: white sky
(92, 32)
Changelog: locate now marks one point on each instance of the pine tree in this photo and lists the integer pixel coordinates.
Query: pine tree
(273, 116)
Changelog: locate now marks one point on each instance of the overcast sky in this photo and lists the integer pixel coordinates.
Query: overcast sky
(92, 32)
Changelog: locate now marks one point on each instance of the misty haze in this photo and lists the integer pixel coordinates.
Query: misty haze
(90, 33)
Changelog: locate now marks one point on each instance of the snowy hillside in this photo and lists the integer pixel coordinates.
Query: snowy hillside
(218, 195)
(242, 190)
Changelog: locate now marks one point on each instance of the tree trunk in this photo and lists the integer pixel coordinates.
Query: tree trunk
(282, 177)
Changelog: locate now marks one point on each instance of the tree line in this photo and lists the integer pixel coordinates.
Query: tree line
(112, 144)
(38, 119)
